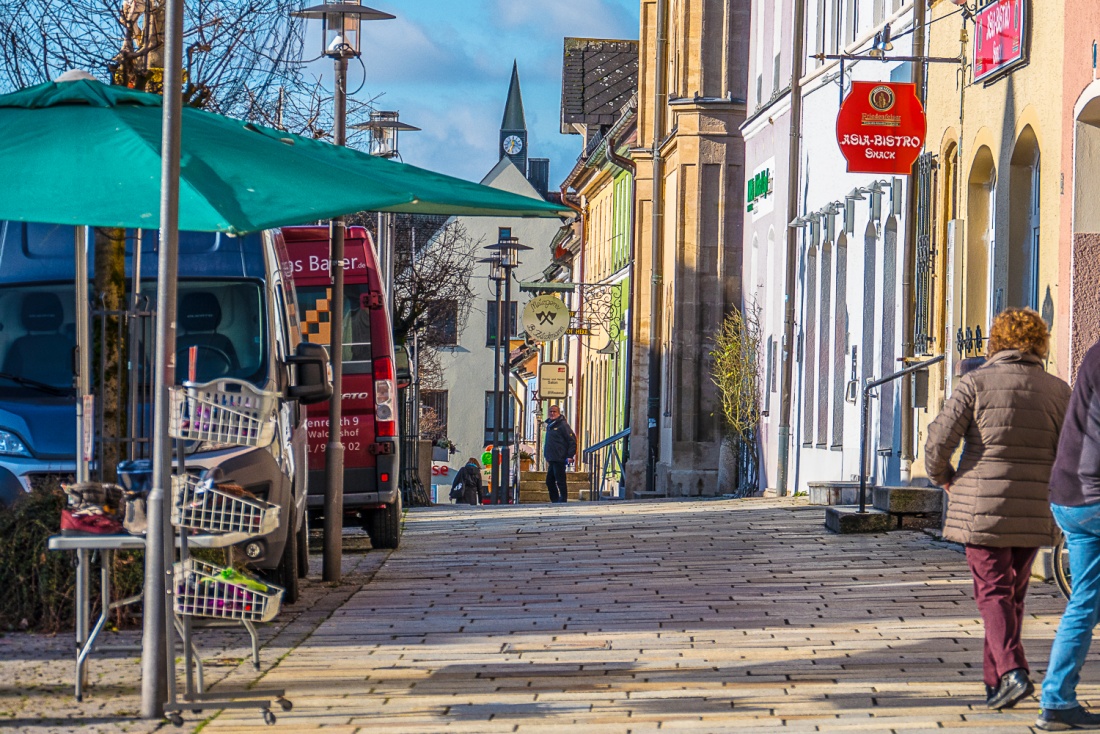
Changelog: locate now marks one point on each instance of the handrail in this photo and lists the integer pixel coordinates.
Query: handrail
(865, 409)
(606, 442)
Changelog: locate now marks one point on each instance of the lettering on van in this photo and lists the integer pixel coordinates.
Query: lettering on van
(317, 264)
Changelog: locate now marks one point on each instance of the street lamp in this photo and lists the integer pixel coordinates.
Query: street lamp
(496, 277)
(340, 42)
(385, 127)
(508, 248)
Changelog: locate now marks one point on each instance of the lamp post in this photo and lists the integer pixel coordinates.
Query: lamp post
(385, 128)
(340, 42)
(496, 277)
(508, 249)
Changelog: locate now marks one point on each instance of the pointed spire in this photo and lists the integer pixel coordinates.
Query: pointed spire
(513, 110)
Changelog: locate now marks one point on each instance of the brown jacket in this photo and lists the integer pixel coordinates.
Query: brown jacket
(1008, 415)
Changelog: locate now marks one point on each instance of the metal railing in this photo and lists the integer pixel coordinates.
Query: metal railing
(865, 411)
(608, 452)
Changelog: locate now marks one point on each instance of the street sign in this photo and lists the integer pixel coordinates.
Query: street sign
(881, 127)
(1000, 37)
(545, 318)
(553, 380)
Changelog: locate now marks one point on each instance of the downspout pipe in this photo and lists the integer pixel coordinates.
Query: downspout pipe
(577, 392)
(794, 175)
(920, 11)
(628, 165)
(659, 108)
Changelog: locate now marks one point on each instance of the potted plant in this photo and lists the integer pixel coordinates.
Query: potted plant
(526, 460)
(442, 449)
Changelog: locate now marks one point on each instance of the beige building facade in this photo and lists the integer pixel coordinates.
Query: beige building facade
(688, 227)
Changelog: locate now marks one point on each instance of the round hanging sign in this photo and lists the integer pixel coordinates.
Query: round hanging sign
(545, 318)
(881, 127)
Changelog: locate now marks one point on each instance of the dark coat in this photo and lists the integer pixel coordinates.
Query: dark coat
(1008, 414)
(1075, 479)
(467, 485)
(560, 442)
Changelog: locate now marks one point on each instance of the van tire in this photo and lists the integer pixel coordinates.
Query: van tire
(303, 547)
(384, 525)
(288, 565)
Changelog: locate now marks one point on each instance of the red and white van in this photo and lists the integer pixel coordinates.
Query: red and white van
(369, 387)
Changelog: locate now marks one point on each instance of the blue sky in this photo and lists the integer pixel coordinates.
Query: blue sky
(445, 65)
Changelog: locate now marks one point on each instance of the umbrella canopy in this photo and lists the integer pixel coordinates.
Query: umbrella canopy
(85, 153)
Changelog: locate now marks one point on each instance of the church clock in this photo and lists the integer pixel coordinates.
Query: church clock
(513, 145)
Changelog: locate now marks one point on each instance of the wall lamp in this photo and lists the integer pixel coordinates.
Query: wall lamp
(881, 44)
(798, 223)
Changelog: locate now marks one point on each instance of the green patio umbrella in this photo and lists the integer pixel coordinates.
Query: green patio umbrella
(85, 153)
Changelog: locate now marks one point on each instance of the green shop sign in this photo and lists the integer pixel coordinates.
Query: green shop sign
(759, 187)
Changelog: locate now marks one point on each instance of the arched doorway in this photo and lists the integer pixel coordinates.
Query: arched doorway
(1085, 269)
(979, 302)
(1022, 282)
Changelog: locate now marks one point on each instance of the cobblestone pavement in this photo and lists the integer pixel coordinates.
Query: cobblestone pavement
(36, 671)
(700, 616)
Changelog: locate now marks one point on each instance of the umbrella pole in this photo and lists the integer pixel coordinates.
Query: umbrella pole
(158, 658)
(83, 351)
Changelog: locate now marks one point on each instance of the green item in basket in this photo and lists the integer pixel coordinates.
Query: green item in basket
(234, 576)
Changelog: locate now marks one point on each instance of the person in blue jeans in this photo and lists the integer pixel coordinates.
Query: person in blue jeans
(1075, 503)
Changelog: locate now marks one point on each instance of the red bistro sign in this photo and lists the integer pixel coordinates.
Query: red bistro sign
(881, 127)
(999, 35)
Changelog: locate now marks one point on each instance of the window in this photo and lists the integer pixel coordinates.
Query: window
(509, 418)
(314, 311)
(491, 330)
(433, 414)
(443, 329)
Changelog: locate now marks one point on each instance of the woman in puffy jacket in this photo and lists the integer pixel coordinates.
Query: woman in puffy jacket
(1007, 414)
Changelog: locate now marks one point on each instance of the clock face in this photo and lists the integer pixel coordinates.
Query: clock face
(512, 145)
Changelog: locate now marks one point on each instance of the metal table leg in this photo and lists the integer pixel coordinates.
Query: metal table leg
(81, 604)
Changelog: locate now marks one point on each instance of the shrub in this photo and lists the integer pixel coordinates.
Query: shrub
(736, 374)
(38, 584)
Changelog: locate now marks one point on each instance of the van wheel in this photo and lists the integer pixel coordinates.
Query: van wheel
(384, 526)
(303, 547)
(288, 565)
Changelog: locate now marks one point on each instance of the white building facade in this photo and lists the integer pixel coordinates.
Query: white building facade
(851, 233)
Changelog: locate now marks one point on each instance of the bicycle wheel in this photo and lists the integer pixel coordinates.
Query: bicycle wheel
(1059, 561)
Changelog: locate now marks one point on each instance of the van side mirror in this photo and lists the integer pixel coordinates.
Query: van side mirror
(312, 376)
(402, 366)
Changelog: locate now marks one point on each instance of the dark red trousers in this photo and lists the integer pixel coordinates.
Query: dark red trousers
(1001, 576)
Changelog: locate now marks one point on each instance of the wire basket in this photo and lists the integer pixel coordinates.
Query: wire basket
(201, 504)
(231, 412)
(202, 591)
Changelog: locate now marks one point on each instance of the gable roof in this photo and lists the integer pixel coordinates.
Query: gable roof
(598, 77)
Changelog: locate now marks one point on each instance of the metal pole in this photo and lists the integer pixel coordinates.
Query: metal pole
(497, 420)
(334, 450)
(386, 253)
(158, 648)
(909, 262)
(864, 419)
(83, 348)
(506, 392)
(794, 163)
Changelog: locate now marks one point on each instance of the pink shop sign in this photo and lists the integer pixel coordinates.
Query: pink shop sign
(1000, 37)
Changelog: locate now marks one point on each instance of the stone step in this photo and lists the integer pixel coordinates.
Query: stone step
(540, 476)
(835, 493)
(847, 519)
(909, 500)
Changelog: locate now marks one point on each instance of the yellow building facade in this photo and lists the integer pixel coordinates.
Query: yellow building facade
(994, 205)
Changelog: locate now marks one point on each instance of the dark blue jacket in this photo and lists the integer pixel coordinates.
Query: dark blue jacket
(560, 443)
(1075, 477)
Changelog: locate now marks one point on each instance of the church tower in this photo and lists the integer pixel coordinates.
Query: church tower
(513, 129)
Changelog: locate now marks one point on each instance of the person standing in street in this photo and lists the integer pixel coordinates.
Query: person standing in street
(1075, 501)
(559, 446)
(466, 487)
(1008, 414)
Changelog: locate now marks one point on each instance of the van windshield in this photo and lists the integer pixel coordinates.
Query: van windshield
(37, 336)
(220, 326)
(314, 314)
